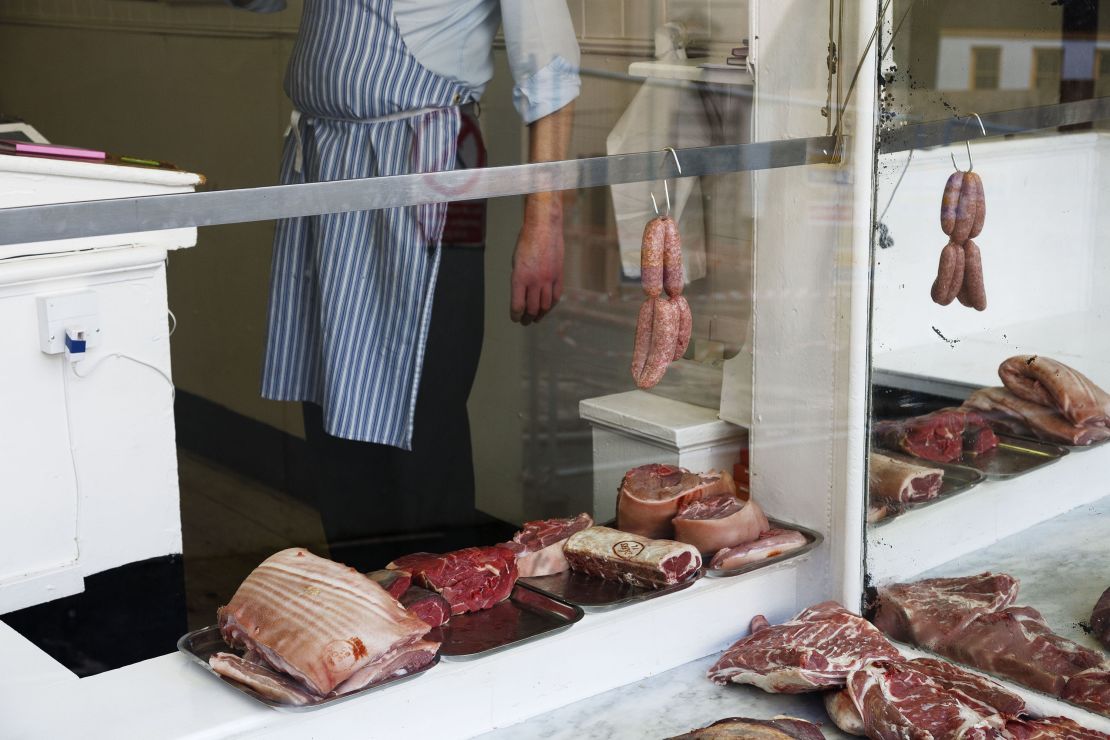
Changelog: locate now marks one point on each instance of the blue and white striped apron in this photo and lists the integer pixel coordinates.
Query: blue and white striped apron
(351, 293)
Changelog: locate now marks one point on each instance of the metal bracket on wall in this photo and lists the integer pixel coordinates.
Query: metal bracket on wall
(155, 212)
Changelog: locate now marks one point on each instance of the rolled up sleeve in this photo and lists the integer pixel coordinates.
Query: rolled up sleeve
(543, 56)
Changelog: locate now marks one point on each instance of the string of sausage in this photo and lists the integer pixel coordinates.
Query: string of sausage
(963, 210)
(665, 323)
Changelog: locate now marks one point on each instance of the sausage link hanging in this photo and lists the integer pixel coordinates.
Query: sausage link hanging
(651, 256)
(950, 274)
(673, 278)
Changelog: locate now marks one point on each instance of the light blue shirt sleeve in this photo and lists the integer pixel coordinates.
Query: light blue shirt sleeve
(543, 55)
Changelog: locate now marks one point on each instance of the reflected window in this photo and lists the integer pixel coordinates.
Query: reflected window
(1046, 70)
(1102, 73)
(985, 67)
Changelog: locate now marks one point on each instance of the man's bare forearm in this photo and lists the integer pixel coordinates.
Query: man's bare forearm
(548, 141)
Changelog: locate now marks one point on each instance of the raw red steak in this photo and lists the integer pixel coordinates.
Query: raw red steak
(942, 436)
(898, 700)
(1016, 643)
(1100, 619)
(470, 579)
(539, 545)
(741, 728)
(926, 612)
(815, 650)
(1051, 728)
(1090, 689)
(430, 607)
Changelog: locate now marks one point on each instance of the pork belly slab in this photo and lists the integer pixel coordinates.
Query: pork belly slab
(899, 482)
(816, 650)
(1044, 381)
(320, 623)
(1010, 414)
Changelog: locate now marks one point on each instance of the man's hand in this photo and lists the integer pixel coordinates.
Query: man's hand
(537, 281)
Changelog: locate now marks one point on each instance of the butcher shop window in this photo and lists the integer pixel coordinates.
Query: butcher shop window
(986, 65)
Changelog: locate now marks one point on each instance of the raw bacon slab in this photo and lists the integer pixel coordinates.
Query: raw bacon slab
(318, 621)
(1090, 689)
(619, 556)
(771, 544)
(715, 522)
(1012, 415)
(1051, 728)
(539, 545)
(1044, 381)
(471, 579)
(815, 650)
(1100, 619)
(740, 728)
(926, 612)
(1016, 643)
(265, 681)
(900, 482)
(430, 607)
(651, 495)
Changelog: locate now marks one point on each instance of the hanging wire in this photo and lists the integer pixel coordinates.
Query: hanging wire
(666, 188)
(967, 143)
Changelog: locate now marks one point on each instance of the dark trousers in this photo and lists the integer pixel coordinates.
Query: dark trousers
(365, 490)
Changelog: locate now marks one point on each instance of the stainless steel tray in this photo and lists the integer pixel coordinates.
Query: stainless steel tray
(524, 617)
(957, 479)
(203, 643)
(1014, 456)
(593, 594)
(814, 538)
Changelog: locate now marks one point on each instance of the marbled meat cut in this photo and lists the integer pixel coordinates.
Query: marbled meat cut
(539, 545)
(714, 522)
(843, 713)
(945, 435)
(927, 612)
(1016, 643)
(740, 728)
(470, 579)
(395, 582)
(815, 650)
(1100, 619)
(900, 482)
(430, 607)
(325, 625)
(1046, 382)
(895, 700)
(1051, 728)
(619, 556)
(651, 495)
(1010, 414)
(771, 544)
(975, 687)
(1090, 689)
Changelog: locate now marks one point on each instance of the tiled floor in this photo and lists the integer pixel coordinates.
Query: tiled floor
(230, 523)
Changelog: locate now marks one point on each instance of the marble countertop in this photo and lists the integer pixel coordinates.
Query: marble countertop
(671, 703)
(1057, 563)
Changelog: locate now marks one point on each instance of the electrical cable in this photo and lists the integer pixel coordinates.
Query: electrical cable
(73, 463)
(122, 356)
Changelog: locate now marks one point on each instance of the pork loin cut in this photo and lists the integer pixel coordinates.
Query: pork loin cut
(1090, 689)
(1010, 414)
(1100, 619)
(900, 482)
(1016, 643)
(430, 607)
(770, 544)
(715, 522)
(470, 579)
(815, 650)
(539, 545)
(1044, 381)
(741, 728)
(896, 699)
(620, 556)
(320, 623)
(395, 582)
(1051, 728)
(650, 496)
(926, 612)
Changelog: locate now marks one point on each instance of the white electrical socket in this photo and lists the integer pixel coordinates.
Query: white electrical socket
(67, 310)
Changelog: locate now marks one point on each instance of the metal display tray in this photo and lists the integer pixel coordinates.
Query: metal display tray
(814, 541)
(203, 643)
(593, 594)
(957, 479)
(1014, 456)
(526, 616)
